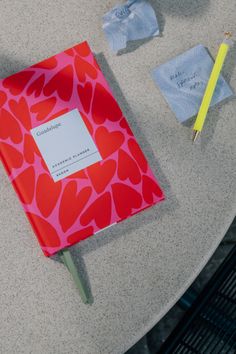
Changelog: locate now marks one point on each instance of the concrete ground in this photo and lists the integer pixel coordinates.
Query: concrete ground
(40, 310)
(151, 343)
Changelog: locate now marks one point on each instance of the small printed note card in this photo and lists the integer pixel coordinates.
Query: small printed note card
(183, 80)
(66, 145)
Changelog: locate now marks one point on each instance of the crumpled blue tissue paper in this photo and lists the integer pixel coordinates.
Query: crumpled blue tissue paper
(135, 19)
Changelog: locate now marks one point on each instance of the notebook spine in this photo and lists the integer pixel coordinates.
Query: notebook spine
(8, 170)
(19, 195)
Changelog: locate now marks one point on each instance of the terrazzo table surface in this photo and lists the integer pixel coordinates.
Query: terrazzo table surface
(138, 269)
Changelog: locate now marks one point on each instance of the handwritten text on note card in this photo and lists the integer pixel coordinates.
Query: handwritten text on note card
(183, 79)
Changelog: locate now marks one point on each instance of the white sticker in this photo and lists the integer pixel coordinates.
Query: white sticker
(66, 145)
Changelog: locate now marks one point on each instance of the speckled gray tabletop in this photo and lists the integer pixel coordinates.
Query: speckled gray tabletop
(138, 269)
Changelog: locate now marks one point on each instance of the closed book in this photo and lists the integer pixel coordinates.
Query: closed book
(69, 151)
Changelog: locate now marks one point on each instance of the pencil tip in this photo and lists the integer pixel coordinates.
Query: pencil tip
(195, 135)
(228, 35)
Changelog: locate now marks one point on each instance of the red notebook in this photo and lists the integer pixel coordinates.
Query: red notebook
(69, 151)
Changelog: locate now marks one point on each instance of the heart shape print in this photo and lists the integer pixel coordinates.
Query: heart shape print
(127, 168)
(16, 83)
(99, 211)
(72, 203)
(9, 127)
(30, 148)
(13, 156)
(36, 87)
(85, 95)
(43, 108)
(126, 199)
(20, 110)
(25, 181)
(138, 155)
(48, 235)
(80, 235)
(62, 83)
(149, 189)
(47, 64)
(108, 142)
(47, 194)
(104, 106)
(101, 174)
(3, 98)
(83, 68)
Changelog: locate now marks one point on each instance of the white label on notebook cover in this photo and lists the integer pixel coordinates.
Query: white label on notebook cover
(66, 145)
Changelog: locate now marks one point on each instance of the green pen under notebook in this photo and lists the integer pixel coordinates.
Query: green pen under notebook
(66, 257)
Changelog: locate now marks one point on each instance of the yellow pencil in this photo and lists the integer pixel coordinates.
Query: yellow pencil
(210, 88)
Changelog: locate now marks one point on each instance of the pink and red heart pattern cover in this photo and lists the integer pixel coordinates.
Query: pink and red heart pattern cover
(65, 212)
